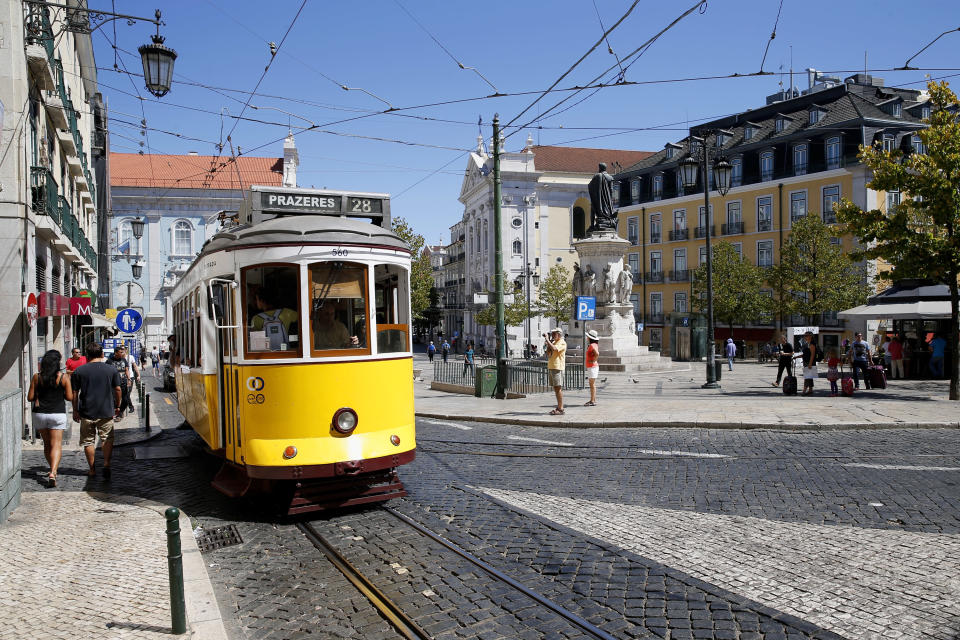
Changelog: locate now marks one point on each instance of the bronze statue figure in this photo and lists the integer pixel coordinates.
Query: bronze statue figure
(602, 216)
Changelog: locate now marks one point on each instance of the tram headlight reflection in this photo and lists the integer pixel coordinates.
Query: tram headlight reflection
(345, 420)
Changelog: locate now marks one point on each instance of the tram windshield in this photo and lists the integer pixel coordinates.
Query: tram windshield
(338, 307)
(271, 299)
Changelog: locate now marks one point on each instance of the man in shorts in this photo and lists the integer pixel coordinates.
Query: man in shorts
(96, 402)
(556, 350)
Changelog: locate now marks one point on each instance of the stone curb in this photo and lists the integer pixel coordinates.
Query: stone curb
(691, 424)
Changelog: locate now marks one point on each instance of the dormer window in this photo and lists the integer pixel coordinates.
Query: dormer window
(749, 129)
(893, 106)
(670, 150)
(722, 137)
(896, 110)
(815, 114)
(925, 112)
(780, 124)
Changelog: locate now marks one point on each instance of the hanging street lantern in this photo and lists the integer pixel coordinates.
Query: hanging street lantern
(157, 64)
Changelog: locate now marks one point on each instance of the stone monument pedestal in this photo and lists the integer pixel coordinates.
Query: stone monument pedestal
(601, 273)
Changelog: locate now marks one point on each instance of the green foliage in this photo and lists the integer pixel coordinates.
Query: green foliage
(737, 299)
(421, 280)
(921, 236)
(555, 294)
(514, 314)
(815, 275)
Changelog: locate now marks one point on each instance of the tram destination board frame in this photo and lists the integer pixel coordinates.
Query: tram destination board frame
(267, 202)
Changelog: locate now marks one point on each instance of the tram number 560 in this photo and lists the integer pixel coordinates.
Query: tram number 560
(358, 205)
(340, 253)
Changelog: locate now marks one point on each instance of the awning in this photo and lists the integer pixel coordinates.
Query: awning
(97, 320)
(906, 300)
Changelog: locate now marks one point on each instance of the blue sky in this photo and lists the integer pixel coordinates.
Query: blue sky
(402, 53)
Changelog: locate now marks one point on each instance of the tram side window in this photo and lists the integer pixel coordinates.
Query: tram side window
(393, 315)
(338, 306)
(271, 301)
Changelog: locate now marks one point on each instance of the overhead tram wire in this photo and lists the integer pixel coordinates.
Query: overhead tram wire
(773, 35)
(577, 63)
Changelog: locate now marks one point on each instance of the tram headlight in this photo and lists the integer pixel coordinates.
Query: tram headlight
(345, 420)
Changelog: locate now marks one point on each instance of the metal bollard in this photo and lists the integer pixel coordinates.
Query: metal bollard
(146, 411)
(178, 609)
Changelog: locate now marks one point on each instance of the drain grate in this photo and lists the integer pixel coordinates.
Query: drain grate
(218, 538)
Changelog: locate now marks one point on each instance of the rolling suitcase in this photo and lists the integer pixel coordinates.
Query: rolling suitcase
(790, 382)
(846, 383)
(878, 377)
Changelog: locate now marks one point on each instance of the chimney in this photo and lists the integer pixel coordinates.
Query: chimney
(811, 77)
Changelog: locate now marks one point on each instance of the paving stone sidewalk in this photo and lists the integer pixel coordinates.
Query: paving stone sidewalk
(92, 564)
(746, 399)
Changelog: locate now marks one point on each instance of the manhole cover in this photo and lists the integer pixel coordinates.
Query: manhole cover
(218, 538)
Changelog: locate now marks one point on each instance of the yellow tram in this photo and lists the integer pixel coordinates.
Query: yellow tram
(294, 359)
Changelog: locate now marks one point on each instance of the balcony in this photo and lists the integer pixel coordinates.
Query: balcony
(764, 225)
(655, 318)
(679, 234)
(830, 217)
(680, 275)
(44, 193)
(654, 276)
(732, 228)
(654, 238)
(701, 232)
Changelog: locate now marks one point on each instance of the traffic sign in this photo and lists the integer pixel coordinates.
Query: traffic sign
(129, 321)
(586, 308)
(33, 308)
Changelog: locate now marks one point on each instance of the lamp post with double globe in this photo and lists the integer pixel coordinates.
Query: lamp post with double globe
(690, 166)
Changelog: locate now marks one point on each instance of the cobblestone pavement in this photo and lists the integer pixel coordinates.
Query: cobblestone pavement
(695, 533)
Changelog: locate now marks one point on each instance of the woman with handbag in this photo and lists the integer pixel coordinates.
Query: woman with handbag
(49, 392)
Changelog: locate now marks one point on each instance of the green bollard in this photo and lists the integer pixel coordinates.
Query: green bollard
(178, 609)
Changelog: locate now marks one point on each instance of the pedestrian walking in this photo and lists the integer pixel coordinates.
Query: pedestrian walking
(592, 364)
(75, 360)
(49, 392)
(895, 349)
(96, 402)
(431, 350)
(809, 357)
(887, 356)
(155, 361)
(938, 349)
(135, 380)
(556, 349)
(445, 350)
(859, 357)
(833, 374)
(468, 360)
(784, 357)
(731, 353)
(119, 361)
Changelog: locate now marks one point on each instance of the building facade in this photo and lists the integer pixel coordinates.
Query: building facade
(545, 207)
(793, 157)
(183, 200)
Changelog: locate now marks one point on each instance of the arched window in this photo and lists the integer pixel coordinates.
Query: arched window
(517, 247)
(579, 223)
(182, 238)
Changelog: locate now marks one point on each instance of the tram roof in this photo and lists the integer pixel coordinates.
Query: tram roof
(304, 229)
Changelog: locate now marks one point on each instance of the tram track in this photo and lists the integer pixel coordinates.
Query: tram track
(393, 612)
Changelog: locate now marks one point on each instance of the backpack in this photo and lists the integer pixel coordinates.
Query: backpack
(274, 329)
(860, 351)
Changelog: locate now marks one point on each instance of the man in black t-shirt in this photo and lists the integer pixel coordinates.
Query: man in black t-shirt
(785, 360)
(96, 402)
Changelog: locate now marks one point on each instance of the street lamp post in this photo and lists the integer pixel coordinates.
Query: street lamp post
(722, 171)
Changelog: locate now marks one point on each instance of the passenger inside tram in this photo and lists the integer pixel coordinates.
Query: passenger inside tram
(278, 322)
(338, 294)
(328, 332)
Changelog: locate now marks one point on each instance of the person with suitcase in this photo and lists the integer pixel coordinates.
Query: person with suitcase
(859, 356)
(785, 359)
(809, 359)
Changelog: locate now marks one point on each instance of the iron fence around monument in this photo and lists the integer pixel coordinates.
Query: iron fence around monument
(523, 376)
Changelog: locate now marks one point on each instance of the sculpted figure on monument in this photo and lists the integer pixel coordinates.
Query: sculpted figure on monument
(624, 286)
(602, 217)
(609, 286)
(589, 282)
(577, 280)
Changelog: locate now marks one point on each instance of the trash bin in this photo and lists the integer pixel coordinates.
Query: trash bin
(485, 381)
(718, 367)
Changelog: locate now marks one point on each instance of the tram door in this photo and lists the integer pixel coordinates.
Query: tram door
(223, 295)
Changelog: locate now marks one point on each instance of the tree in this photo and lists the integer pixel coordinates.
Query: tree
(421, 279)
(433, 313)
(919, 237)
(814, 275)
(737, 284)
(514, 313)
(555, 295)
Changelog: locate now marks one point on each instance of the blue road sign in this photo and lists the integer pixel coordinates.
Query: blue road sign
(586, 308)
(129, 321)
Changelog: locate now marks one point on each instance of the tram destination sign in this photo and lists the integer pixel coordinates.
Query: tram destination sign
(266, 202)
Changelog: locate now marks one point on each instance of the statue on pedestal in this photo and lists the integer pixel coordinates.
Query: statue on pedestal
(602, 216)
(624, 286)
(589, 282)
(609, 286)
(577, 280)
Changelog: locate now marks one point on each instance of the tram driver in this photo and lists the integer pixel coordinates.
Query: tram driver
(328, 332)
(278, 323)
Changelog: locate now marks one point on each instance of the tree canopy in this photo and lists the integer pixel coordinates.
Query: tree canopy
(555, 294)
(918, 233)
(420, 278)
(737, 284)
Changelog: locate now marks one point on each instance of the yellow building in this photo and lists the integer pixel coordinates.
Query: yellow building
(793, 157)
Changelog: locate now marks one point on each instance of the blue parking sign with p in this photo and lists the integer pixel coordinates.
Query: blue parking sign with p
(586, 308)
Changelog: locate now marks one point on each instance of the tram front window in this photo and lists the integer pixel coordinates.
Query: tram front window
(271, 300)
(338, 307)
(393, 317)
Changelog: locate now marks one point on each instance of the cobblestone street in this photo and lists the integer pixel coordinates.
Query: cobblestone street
(680, 533)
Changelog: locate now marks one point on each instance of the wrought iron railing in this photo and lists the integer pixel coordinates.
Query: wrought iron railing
(523, 376)
(732, 228)
(679, 234)
(701, 232)
(680, 275)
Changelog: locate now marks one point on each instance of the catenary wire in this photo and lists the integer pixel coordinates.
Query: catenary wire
(773, 35)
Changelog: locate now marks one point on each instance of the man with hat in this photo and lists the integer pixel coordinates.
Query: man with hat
(592, 365)
(556, 350)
